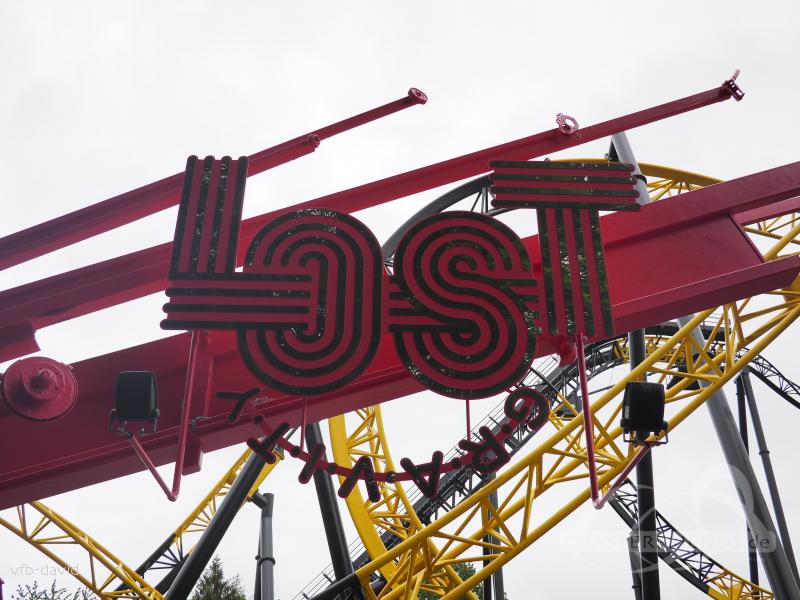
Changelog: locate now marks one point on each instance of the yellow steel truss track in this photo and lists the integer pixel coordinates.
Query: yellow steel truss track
(98, 569)
(393, 512)
(368, 438)
(560, 461)
(102, 572)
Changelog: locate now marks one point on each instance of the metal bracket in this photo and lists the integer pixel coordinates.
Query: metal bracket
(730, 84)
(567, 124)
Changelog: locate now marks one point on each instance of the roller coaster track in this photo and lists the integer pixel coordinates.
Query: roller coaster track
(438, 577)
(697, 567)
(717, 581)
(99, 570)
(560, 461)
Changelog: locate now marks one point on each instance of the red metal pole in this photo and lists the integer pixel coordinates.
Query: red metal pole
(597, 501)
(588, 427)
(141, 202)
(142, 453)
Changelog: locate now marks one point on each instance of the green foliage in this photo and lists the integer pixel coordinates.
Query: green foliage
(464, 571)
(214, 586)
(32, 592)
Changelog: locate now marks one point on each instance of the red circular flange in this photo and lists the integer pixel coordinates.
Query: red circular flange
(417, 95)
(39, 388)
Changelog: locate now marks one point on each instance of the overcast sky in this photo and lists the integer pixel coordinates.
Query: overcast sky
(99, 98)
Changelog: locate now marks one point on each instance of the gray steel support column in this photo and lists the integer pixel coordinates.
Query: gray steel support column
(773, 557)
(636, 566)
(763, 451)
(645, 491)
(493, 588)
(487, 583)
(741, 401)
(776, 565)
(331, 518)
(265, 565)
(192, 569)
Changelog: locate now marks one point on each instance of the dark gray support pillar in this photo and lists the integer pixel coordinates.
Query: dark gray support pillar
(773, 557)
(265, 561)
(192, 569)
(331, 518)
(763, 451)
(487, 583)
(648, 538)
(497, 576)
(493, 583)
(646, 498)
(636, 566)
(752, 555)
(770, 550)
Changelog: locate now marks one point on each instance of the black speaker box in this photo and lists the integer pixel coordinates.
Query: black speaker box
(643, 407)
(136, 396)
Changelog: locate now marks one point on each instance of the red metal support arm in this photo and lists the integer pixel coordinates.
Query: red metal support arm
(151, 198)
(118, 280)
(598, 501)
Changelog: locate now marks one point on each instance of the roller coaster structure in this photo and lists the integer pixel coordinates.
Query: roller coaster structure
(412, 560)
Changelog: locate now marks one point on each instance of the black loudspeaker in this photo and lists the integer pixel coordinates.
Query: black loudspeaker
(136, 397)
(643, 408)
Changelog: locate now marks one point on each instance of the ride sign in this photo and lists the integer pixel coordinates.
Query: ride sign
(462, 304)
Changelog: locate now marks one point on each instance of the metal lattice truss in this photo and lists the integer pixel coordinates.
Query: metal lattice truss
(98, 569)
(394, 512)
(686, 558)
(747, 327)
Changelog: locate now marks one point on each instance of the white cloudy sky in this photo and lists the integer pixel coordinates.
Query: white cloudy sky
(102, 97)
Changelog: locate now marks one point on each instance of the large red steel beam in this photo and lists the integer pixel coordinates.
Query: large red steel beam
(151, 198)
(697, 230)
(82, 291)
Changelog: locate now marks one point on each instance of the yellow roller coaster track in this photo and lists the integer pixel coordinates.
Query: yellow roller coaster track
(373, 520)
(560, 461)
(416, 563)
(97, 568)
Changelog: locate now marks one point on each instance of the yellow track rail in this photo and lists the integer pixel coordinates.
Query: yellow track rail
(371, 519)
(393, 512)
(560, 461)
(98, 569)
(102, 573)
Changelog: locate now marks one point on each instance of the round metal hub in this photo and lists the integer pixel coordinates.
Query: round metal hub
(39, 388)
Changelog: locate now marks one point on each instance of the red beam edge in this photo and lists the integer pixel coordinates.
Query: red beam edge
(771, 211)
(130, 206)
(716, 291)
